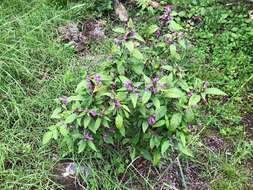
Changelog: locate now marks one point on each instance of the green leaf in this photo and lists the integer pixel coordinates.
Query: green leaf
(56, 113)
(156, 158)
(185, 150)
(182, 14)
(134, 99)
(119, 121)
(137, 54)
(122, 131)
(55, 134)
(146, 96)
(189, 115)
(215, 91)
(174, 27)
(144, 126)
(156, 103)
(86, 121)
(119, 30)
(194, 100)
(152, 29)
(96, 125)
(167, 67)
(173, 51)
(182, 43)
(81, 146)
(109, 140)
(120, 67)
(126, 108)
(52, 127)
(183, 84)
(47, 137)
(145, 153)
(81, 85)
(133, 153)
(123, 79)
(152, 142)
(161, 112)
(130, 23)
(183, 139)
(174, 93)
(157, 141)
(129, 45)
(159, 123)
(176, 120)
(63, 130)
(165, 146)
(92, 146)
(138, 68)
(138, 37)
(71, 118)
(146, 79)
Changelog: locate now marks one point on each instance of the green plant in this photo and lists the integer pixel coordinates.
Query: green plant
(135, 98)
(143, 3)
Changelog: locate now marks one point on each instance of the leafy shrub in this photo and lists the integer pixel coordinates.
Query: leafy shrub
(135, 98)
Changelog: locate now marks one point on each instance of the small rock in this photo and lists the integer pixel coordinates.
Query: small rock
(251, 14)
(121, 11)
(67, 174)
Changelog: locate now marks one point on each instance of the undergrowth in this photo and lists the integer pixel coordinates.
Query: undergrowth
(36, 68)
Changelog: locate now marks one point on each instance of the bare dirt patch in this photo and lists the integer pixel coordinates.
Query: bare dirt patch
(215, 143)
(247, 120)
(173, 178)
(169, 177)
(80, 34)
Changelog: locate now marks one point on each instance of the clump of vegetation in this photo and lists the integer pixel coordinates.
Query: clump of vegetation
(35, 67)
(136, 97)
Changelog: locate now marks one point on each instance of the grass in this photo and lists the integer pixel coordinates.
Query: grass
(35, 68)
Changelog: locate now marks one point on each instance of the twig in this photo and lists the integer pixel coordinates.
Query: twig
(182, 174)
(170, 186)
(130, 164)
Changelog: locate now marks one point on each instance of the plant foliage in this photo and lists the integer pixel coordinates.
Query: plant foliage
(136, 98)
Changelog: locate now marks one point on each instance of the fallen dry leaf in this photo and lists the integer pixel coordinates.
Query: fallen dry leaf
(154, 4)
(121, 11)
